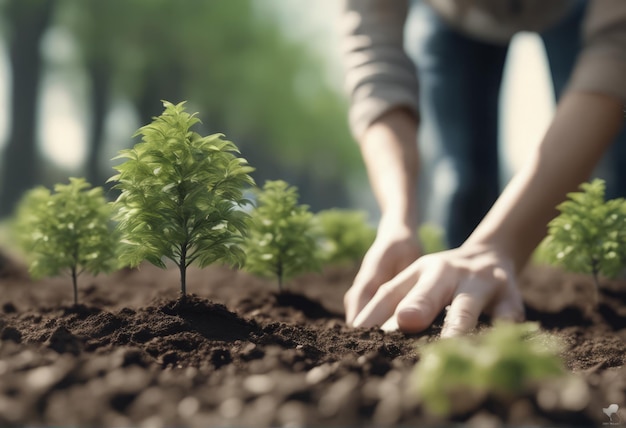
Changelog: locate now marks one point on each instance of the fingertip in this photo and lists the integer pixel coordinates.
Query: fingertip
(412, 319)
(449, 332)
(506, 311)
(459, 321)
(390, 325)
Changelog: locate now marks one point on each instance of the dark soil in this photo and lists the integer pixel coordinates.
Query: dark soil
(237, 353)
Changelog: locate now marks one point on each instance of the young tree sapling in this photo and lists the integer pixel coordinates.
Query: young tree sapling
(503, 360)
(181, 195)
(345, 235)
(68, 229)
(589, 235)
(282, 239)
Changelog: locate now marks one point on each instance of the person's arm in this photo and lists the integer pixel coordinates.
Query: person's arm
(381, 81)
(584, 126)
(480, 275)
(379, 76)
(389, 150)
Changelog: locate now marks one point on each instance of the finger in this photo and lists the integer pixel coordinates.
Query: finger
(510, 307)
(390, 325)
(383, 304)
(463, 314)
(423, 303)
(363, 289)
(473, 296)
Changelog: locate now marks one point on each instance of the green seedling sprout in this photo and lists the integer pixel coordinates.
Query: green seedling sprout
(504, 360)
(69, 229)
(181, 196)
(589, 235)
(282, 240)
(346, 235)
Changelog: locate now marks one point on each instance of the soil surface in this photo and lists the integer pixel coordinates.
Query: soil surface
(237, 353)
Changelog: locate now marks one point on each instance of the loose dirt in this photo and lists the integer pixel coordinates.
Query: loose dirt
(237, 353)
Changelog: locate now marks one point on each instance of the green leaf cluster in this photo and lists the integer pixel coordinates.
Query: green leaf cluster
(589, 235)
(432, 238)
(69, 230)
(345, 235)
(504, 360)
(282, 239)
(181, 195)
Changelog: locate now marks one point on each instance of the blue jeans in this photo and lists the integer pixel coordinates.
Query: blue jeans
(460, 81)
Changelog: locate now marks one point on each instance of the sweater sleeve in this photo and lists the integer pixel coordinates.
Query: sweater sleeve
(379, 75)
(601, 66)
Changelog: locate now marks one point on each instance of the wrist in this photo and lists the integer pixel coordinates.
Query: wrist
(403, 224)
(516, 255)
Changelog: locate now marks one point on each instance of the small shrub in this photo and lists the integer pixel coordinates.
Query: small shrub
(589, 235)
(181, 195)
(282, 240)
(68, 229)
(504, 360)
(346, 235)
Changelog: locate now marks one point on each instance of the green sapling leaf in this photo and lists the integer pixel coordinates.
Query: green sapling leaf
(181, 195)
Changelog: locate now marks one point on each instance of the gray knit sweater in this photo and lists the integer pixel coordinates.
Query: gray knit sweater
(380, 76)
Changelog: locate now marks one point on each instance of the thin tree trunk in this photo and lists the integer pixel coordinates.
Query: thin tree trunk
(279, 273)
(28, 21)
(75, 284)
(183, 272)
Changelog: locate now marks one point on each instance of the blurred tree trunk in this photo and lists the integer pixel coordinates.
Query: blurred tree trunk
(100, 84)
(164, 83)
(28, 21)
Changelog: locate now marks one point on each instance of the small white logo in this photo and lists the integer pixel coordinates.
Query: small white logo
(610, 412)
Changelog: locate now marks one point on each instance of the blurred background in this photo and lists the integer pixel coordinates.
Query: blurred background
(78, 77)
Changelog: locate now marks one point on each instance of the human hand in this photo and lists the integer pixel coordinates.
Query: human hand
(390, 254)
(471, 279)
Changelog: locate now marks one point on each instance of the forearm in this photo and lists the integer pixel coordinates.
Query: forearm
(389, 150)
(584, 126)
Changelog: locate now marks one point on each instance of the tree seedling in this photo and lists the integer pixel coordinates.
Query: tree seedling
(181, 195)
(282, 240)
(68, 229)
(346, 235)
(504, 360)
(589, 235)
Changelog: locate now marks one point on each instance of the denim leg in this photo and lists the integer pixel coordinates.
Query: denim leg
(563, 42)
(459, 88)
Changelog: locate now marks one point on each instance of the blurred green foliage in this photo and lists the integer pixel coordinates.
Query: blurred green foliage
(182, 195)
(503, 360)
(68, 230)
(231, 61)
(432, 238)
(589, 235)
(346, 235)
(282, 238)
